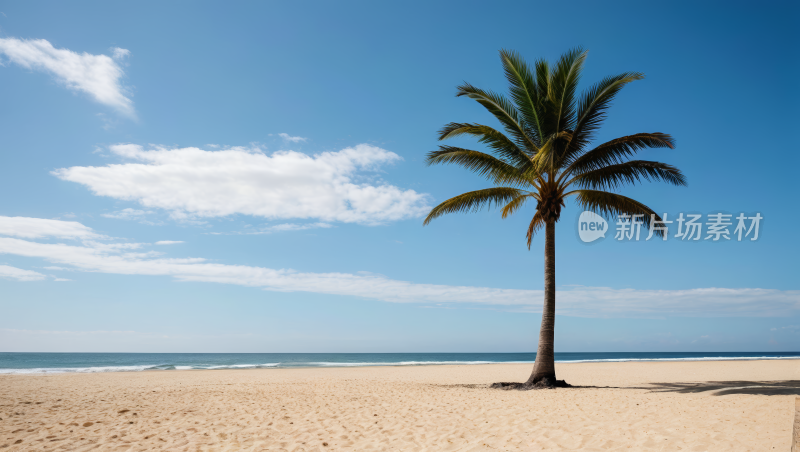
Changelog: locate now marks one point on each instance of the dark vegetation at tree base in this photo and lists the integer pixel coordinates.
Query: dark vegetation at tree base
(545, 383)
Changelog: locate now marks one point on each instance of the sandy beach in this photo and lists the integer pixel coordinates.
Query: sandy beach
(664, 406)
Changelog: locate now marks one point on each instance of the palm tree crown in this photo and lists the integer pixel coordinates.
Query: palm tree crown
(545, 154)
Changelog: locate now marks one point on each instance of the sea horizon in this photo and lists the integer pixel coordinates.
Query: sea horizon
(97, 362)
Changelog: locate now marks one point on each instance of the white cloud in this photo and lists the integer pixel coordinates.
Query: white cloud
(20, 274)
(573, 301)
(284, 227)
(168, 242)
(34, 228)
(111, 247)
(294, 227)
(61, 279)
(127, 214)
(790, 328)
(97, 75)
(291, 139)
(193, 183)
(120, 54)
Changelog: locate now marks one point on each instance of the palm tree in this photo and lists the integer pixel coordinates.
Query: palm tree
(545, 155)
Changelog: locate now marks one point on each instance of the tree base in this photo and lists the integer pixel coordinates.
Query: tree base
(545, 383)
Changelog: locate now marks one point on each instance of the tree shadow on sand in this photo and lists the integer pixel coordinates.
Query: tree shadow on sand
(719, 388)
(716, 388)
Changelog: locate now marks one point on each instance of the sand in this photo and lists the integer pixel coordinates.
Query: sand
(663, 406)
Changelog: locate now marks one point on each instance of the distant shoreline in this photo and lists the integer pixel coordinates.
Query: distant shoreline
(66, 363)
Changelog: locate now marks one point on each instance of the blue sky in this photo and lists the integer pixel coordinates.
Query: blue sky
(282, 145)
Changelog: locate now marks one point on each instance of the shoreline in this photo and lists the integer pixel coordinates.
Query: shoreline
(171, 369)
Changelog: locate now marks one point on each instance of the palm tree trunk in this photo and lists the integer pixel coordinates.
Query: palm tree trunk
(544, 368)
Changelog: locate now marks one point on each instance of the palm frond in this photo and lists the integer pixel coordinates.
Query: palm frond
(473, 201)
(524, 92)
(542, 70)
(613, 205)
(516, 204)
(593, 105)
(545, 160)
(563, 85)
(542, 161)
(537, 222)
(502, 146)
(494, 169)
(614, 176)
(618, 150)
(503, 110)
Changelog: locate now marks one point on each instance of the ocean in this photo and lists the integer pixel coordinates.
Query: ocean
(45, 363)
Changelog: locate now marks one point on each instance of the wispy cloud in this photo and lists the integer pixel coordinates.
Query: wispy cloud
(193, 183)
(284, 227)
(291, 139)
(127, 214)
(293, 227)
(131, 215)
(19, 274)
(168, 242)
(790, 328)
(34, 228)
(119, 54)
(96, 75)
(573, 301)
